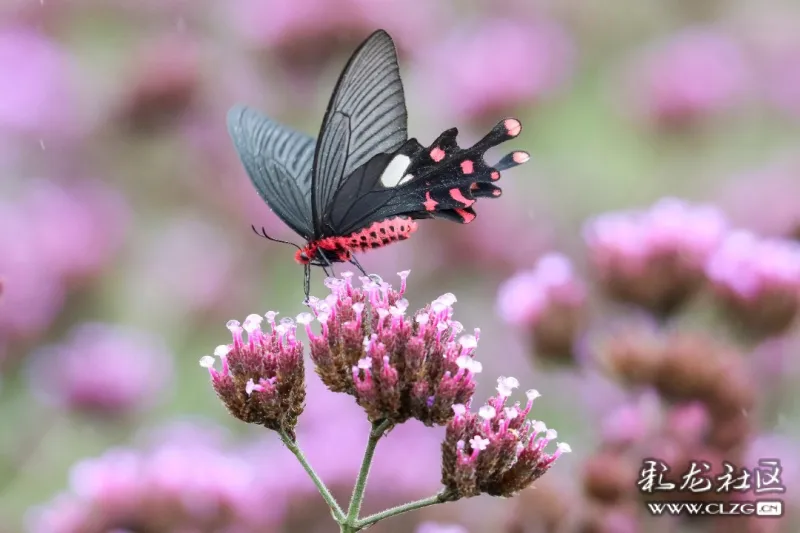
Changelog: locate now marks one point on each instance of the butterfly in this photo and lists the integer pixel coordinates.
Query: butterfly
(363, 184)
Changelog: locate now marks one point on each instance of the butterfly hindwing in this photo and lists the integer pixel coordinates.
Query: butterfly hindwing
(278, 161)
(442, 180)
(366, 116)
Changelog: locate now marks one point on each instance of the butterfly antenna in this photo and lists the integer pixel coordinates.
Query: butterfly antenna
(263, 233)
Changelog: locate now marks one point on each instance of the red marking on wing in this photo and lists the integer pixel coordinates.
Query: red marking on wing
(520, 157)
(497, 192)
(429, 203)
(456, 195)
(513, 127)
(437, 154)
(467, 167)
(466, 216)
(495, 175)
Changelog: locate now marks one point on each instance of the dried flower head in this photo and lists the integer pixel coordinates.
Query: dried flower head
(396, 366)
(262, 380)
(654, 258)
(496, 451)
(757, 281)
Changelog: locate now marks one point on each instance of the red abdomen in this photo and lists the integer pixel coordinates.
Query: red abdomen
(376, 235)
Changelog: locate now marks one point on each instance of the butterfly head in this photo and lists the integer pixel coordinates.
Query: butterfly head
(306, 254)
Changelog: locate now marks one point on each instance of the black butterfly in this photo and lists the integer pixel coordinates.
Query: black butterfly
(363, 183)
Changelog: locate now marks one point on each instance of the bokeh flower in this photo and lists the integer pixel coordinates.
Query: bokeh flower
(654, 258)
(690, 76)
(436, 527)
(757, 281)
(497, 450)
(498, 65)
(396, 366)
(262, 380)
(102, 369)
(549, 300)
(180, 484)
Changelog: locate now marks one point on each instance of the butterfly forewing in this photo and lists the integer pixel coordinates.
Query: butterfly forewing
(365, 117)
(278, 161)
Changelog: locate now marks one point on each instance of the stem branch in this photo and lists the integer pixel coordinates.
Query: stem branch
(323, 490)
(378, 430)
(441, 497)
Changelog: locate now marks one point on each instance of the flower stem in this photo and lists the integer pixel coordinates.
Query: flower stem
(323, 490)
(378, 430)
(441, 497)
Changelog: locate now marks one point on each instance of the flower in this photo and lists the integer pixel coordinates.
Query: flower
(501, 64)
(262, 380)
(549, 300)
(102, 368)
(654, 258)
(496, 451)
(692, 75)
(757, 281)
(396, 366)
(180, 484)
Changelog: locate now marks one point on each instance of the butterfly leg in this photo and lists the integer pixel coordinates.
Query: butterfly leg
(355, 263)
(307, 283)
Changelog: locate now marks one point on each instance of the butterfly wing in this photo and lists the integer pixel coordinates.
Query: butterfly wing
(278, 161)
(366, 116)
(439, 181)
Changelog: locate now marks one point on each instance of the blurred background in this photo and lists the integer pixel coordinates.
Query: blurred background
(640, 271)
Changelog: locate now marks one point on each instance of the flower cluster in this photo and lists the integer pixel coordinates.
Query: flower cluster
(757, 281)
(396, 366)
(262, 380)
(497, 451)
(549, 300)
(654, 258)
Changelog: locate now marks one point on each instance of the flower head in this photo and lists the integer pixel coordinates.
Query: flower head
(262, 380)
(654, 258)
(757, 281)
(102, 368)
(548, 299)
(398, 365)
(695, 74)
(497, 451)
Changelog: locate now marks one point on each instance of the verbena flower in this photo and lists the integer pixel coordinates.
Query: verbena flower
(262, 380)
(549, 300)
(496, 451)
(102, 369)
(654, 258)
(398, 365)
(692, 75)
(757, 281)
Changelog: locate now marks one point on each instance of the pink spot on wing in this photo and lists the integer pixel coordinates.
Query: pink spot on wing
(437, 154)
(466, 216)
(520, 157)
(456, 195)
(513, 127)
(497, 192)
(495, 175)
(467, 166)
(429, 203)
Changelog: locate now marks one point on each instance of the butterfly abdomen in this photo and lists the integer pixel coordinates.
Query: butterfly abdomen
(376, 235)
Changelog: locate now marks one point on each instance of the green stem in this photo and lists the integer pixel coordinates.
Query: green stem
(323, 490)
(441, 497)
(378, 430)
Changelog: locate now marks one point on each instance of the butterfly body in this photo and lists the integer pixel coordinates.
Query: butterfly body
(362, 184)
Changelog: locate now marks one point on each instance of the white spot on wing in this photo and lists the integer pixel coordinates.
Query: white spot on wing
(406, 179)
(395, 170)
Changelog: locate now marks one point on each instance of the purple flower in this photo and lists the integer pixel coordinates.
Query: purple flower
(692, 75)
(757, 281)
(262, 380)
(549, 300)
(181, 484)
(436, 527)
(654, 258)
(396, 366)
(36, 92)
(497, 451)
(501, 64)
(102, 368)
